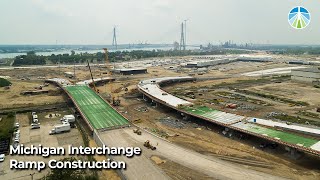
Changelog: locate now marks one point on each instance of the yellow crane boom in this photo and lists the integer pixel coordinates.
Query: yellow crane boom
(93, 83)
(115, 102)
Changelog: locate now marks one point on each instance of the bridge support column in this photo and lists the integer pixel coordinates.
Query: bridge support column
(154, 103)
(293, 152)
(185, 116)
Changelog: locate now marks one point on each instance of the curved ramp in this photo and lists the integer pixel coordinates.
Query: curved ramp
(151, 89)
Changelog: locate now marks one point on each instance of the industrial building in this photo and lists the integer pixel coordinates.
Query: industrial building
(298, 62)
(308, 75)
(69, 74)
(206, 63)
(130, 71)
(255, 58)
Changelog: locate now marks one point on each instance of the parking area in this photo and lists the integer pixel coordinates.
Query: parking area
(35, 137)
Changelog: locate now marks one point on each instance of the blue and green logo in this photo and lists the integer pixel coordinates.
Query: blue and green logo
(299, 17)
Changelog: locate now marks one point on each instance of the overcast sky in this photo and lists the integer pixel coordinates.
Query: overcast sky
(154, 21)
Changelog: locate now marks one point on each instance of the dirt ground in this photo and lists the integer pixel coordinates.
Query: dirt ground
(292, 90)
(170, 168)
(104, 174)
(12, 98)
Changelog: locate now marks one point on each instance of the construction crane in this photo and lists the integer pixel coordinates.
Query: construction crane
(115, 101)
(93, 83)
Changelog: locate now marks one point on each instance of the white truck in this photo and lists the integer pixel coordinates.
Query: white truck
(68, 118)
(35, 118)
(65, 127)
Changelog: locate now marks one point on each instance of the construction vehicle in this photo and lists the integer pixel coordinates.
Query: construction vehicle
(231, 106)
(115, 100)
(137, 131)
(68, 118)
(137, 121)
(148, 145)
(65, 127)
(93, 83)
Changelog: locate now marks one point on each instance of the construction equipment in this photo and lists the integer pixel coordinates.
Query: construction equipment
(137, 131)
(93, 83)
(137, 121)
(231, 106)
(115, 100)
(148, 145)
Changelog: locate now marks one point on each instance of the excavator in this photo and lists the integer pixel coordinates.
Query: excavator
(137, 131)
(115, 100)
(148, 145)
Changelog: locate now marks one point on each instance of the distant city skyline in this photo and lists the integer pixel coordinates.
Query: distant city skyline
(154, 21)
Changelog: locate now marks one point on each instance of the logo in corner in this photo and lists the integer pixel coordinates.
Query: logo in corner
(299, 17)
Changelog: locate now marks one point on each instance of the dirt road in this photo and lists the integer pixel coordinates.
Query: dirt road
(142, 168)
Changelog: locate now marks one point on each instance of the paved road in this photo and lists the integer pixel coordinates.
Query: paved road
(142, 167)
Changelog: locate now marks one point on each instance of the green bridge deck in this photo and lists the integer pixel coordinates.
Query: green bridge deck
(288, 137)
(97, 111)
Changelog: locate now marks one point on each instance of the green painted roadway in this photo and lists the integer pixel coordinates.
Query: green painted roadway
(291, 138)
(281, 135)
(97, 111)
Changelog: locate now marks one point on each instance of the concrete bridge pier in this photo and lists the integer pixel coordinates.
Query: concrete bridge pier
(185, 116)
(293, 152)
(154, 103)
(144, 98)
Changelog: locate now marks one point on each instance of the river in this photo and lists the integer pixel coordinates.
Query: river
(68, 51)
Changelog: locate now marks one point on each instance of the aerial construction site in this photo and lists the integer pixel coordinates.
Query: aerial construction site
(199, 117)
(193, 90)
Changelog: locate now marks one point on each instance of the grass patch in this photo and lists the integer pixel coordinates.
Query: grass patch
(296, 119)
(4, 82)
(309, 114)
(6, 126)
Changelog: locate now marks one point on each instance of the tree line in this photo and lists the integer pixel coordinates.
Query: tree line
(32, 59)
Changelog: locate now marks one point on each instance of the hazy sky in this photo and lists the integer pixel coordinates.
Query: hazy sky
(154, 21)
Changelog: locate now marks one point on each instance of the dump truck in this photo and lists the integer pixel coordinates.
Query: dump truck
(137, 131)
(148, 145)
(68, 118)
(65, 127)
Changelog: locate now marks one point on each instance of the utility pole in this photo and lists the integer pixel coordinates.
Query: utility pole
(182, 40)
(74, 69)
(114, 40)
(59, 65)
(185, 33)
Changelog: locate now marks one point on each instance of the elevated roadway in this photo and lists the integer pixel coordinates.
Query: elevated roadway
(151, 88)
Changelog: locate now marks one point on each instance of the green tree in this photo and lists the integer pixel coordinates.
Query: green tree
(4, 82)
